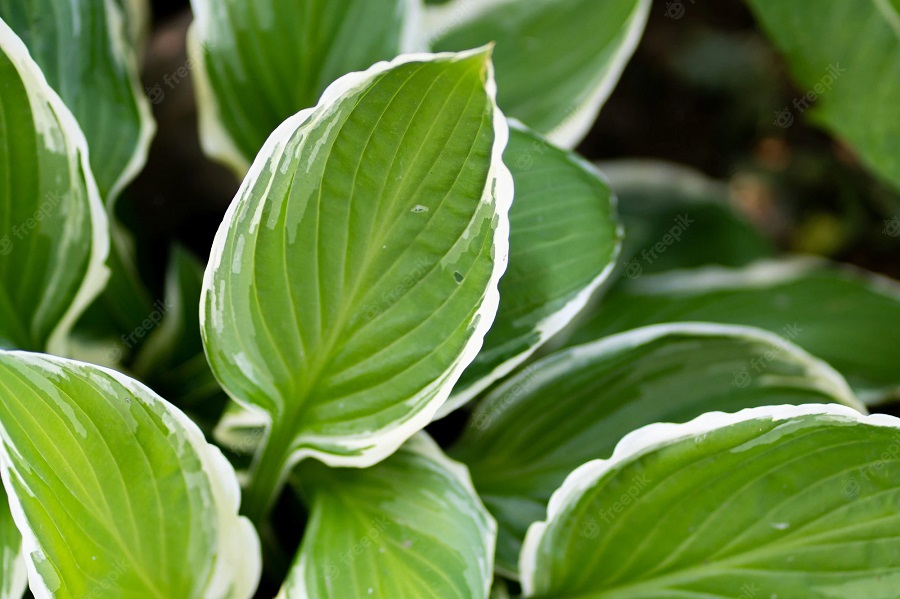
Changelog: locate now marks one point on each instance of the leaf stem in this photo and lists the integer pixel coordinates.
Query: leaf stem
(268, 473)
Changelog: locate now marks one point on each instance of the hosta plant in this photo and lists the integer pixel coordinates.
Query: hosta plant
(421, 358)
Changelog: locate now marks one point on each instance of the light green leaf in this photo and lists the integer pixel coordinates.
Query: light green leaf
(410, 527)
(675, 217)
(564, 239)
(847, 317)
(13, 577)
(53, 230)
(573, 406)
(557, 60)
(84, 51)
(845, 57)
(262, 61)
(116, 492)
(770, 502)
(325, 227)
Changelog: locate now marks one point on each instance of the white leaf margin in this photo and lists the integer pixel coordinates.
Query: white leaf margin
(14, 586)
(422, 444)
(555, 322)
(762, 274)
(442, 19)
(46, 105)
(827, 379)
(238, 567)
(499, 188)
(215, 140)
(126, 54)
(655, 436)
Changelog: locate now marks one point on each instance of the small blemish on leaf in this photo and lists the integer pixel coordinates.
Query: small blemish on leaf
(458, 276)
(419, 208)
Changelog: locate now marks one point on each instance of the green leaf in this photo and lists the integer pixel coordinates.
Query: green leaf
(13, 577)
(770, 502)
(84, 51)
(393, 187)
(845, 58)
(564, 239)
(573, 406)
(557, 60)
(260, 62)
(53, 230)
(116, 492)
(675, 217)
(847, 317)
(410, 527)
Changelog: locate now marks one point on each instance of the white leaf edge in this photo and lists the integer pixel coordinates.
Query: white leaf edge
(377, 445)
(442, 19)
(693, 186)
(424, 445)
(215, 140)
(127, 58)
(557, 364)
(15, 585)
(238, 567)
(553, 323)
(655, 436)
(47, 105)
(757, 275)
(762, 274)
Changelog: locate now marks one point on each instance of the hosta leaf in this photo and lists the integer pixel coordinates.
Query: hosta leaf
(522, 440)
(410, 527)
(53, 230)
(393, 187)
(674, 217)
(564, 239)
(557, 60)
(13, 577)
(84, 51)
(850, 88)
(770, 502)
(116, 492)
(849, 318)
(262, 61)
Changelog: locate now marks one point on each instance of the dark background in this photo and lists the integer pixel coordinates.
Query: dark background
(702, 90)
